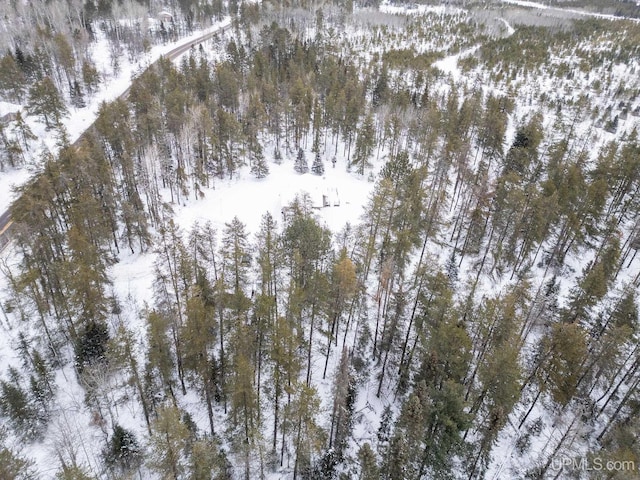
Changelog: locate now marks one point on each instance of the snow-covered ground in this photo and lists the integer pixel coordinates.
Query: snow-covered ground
(541, 6)
(417, 9)
(449, 65)
(522, 3)
(249, 199)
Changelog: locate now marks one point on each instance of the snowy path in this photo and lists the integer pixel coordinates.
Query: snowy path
(539, 6)
(449, 65)
(510, 29)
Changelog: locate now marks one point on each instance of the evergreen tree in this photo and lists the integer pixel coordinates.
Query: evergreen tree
(381, 89)
(76, 95)
(306, 244)
(16, 405)
(12, 79)
(124, 349)
(234, 303)
(208, 460)
(90, 76)
(259, 167)
(269, 260)
(168, 443)
(444, 366)
(160, 359)
(395, 459)
(286, 366)
(244, 406)
(73, 472)
(365, 144)
(42, 385)
(23, 132)
(15, 467)
(343, 401)
(301, 165)
(45, 101)
(199, 336)
(452, 268)
(228, 137)
(343, 289)
(235, 252)
(123, 451)
(368, 464)
(566, 347)
(309, 437)
(318, 165)
(91, 347)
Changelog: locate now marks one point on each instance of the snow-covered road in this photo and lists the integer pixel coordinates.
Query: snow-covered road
(540, 6)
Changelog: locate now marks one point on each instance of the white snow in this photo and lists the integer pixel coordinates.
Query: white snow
(449, 65)
(6, 107)
(522, 3)
(249, 199)
(510, 29)
(418, 9)
(540, 6)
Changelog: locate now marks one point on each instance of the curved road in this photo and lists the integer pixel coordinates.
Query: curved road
(5, 219)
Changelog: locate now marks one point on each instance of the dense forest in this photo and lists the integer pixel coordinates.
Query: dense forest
(476, 320)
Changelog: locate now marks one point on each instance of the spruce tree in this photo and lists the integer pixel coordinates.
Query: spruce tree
(91, 346)
(318, 165)
(76, 95)
(368, 464)
(123, 451)
(365, 144)
(301, 165)
(259, 167)
(16, 405)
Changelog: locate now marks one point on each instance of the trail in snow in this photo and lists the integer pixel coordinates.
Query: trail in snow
(449, 65)
(539, 6)
(510, 29)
